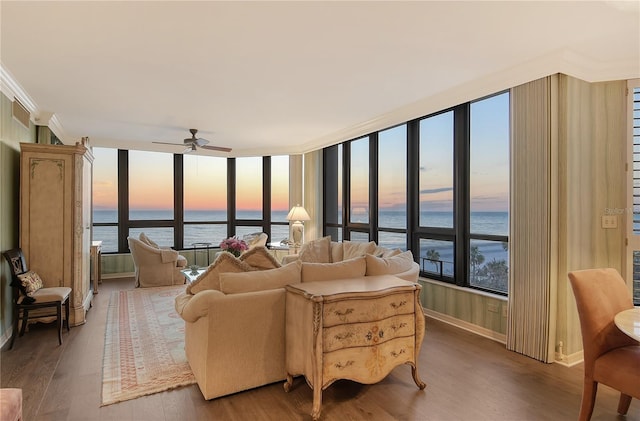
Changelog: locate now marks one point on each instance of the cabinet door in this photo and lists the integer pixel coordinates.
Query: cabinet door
(46, 215)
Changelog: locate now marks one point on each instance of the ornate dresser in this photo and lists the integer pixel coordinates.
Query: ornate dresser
(358, 329)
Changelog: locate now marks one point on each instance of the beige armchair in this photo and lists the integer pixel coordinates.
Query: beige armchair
(257, 239)
(156, 266)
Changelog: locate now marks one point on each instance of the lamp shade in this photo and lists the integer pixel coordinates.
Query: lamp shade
(298, 213)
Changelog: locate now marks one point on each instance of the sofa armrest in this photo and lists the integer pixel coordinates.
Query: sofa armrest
(250, 325)
(192, 307)
(289, 258)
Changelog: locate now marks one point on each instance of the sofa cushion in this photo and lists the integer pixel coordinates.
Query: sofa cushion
(259, 258)
(389, 265)
(352, 268)
(357, 248)
(210, 279)
(236, 283)
(316, 251)
(337, 251)
(148, 241)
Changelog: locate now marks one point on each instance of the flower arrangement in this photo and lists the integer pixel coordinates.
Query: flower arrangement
(234, 246)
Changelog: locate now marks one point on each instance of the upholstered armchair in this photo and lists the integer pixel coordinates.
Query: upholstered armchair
(257, 239)
(156, 266)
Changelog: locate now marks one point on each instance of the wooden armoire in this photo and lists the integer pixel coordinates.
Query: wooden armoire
(55, 218)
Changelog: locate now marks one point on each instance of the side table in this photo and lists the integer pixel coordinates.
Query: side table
(358, 329)
(204, 245)
(192, 275)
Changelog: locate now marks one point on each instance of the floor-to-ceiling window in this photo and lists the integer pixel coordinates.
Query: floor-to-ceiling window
(105, 198)
(248, 185)
(205, 199)
(489, 193)
(437, 185)
(359, 162)
(279, 197)
(435, 194)
(183, 201)
(392, 187)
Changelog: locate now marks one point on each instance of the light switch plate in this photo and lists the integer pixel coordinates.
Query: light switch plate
(609, 221)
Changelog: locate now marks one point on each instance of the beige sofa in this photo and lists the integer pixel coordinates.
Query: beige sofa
(235, 315)
(155, 266)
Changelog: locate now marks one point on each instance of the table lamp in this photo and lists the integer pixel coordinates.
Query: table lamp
(297, 214)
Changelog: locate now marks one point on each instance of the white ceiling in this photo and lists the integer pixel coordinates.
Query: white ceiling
(289, 77)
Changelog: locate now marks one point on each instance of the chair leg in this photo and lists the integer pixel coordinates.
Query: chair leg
(588, 399)
(25, 319)
(59, 316)
(623, 404)
(16, 319)
(66, 313)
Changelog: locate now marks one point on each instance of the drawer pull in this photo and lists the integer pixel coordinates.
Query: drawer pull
(342, 367)
(374, 334)
(398, 305)
(395, 354)
(343, 313)
(342, 336)
(398, 327)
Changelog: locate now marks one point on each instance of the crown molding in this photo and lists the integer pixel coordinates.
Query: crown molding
(12, 89)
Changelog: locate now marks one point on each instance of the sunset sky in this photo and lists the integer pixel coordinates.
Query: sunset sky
(206, 187)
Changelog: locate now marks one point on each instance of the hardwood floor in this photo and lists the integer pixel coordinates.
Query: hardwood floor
(468, 378)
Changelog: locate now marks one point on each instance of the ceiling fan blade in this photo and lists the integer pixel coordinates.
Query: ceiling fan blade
(166, 143)
(216, 148)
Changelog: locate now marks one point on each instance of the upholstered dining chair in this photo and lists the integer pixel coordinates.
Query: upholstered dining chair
(30, 294)
(610, 356)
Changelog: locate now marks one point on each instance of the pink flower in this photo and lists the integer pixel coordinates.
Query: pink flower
(233, 245)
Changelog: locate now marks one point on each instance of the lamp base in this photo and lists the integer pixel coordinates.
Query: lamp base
(297, 233)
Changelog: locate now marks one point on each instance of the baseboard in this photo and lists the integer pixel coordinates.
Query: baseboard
(478, 330)
(6, 336)
(569, 360)
(117, 275)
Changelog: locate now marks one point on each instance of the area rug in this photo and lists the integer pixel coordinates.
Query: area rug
(144, 345)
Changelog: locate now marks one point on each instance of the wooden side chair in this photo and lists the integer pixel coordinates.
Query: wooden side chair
(610, 356)
(30, 294)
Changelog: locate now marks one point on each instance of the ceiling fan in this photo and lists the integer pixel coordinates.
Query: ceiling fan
(193, 143)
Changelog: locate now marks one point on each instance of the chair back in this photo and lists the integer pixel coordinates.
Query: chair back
(600, 294)
(18, 265)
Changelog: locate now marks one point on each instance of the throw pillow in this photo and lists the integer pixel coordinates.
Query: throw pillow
(210, 279)
(31, 282)
(356, 249)
(337, 253)
(148, 241)
(347, 269)
(389, 265)
(316, 251)
(259, 258)
(235, 283)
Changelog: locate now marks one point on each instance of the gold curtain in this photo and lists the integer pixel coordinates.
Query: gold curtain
(532, 242)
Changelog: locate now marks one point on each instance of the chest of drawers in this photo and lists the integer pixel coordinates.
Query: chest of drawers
(357, 329)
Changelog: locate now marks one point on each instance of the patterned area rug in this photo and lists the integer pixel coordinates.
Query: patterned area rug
(144, 345)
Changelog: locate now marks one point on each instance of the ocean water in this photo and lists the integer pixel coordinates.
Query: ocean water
(496, 223)
(435, 256)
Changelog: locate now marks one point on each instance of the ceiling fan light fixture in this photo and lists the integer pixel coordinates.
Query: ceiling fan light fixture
(193, 143)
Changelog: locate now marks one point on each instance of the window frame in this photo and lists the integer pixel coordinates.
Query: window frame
(459, 234)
